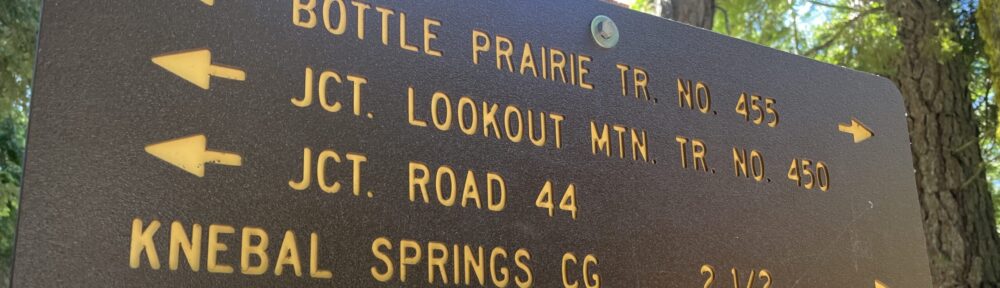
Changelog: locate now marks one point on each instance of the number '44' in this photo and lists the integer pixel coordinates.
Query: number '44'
(568, 202)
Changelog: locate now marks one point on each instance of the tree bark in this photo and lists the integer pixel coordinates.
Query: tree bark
(699, 13)
(958, 214)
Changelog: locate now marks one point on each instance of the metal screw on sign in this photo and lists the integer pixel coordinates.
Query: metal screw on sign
(605, 31)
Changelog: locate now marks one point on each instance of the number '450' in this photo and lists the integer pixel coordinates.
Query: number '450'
(809, 175)
(568, 202)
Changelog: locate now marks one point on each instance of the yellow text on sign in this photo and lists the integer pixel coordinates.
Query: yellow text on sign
(325, 79)
(446, 182)
(462, 264)
(255, 259)
(334, 15)
(325, 158)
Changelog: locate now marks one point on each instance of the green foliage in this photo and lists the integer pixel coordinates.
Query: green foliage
(768, 22)
(648, 6)
(18, 30)
(18, 27)
(988, 19)
(641, 5)
(988, 70)
(859, 35)
(851, 33)
(12, 148)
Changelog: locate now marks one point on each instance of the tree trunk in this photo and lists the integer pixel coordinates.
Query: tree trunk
(699, 13)
(962, 240)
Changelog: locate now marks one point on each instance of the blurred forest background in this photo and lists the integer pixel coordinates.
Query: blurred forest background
(18, 29)
(943, 54)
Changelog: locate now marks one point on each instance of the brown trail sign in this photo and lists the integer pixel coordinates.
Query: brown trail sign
(318, 143)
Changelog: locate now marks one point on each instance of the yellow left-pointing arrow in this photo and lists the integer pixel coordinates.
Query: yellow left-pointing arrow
(208, 2)
(879, 284)
(196, 67)
(190, 154)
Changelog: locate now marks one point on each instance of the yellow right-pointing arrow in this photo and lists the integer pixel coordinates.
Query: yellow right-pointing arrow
(879, 284)
(208, 2)
(857, 129)
(190, 154)
(196, 67)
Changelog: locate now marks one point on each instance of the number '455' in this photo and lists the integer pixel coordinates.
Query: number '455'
(757, 109)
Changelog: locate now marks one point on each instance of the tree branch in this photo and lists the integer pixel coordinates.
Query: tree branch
(841, 28)
(818, 3)
(725, 17)
(974, 176)
(795, 29)
(965, 146)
